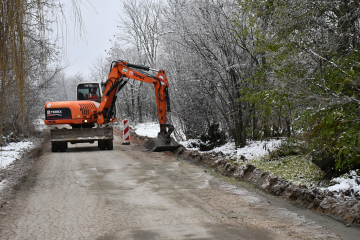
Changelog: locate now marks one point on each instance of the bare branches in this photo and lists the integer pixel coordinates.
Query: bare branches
(141, 27)
(28, 53)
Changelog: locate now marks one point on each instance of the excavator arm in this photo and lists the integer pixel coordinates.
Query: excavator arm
(119, 71)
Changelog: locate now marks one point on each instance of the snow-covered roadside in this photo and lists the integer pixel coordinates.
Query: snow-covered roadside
(146, 129)
(10, 153)
(256, 151)
(13, 151)
(349, 181)
(39, 124)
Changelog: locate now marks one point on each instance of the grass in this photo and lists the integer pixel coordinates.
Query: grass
(296, 169)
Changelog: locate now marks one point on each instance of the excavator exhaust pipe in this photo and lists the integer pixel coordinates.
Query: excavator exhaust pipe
(163, 142)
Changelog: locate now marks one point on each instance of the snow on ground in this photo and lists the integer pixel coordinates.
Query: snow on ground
(39, 124)
(297, 169)
(146, 129)
(254, 149)
(2, 184)
(349, 181)
(12, 151)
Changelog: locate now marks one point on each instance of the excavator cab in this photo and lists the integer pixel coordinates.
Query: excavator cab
(92, 91)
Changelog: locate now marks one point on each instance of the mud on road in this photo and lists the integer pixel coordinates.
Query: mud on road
(130, 193)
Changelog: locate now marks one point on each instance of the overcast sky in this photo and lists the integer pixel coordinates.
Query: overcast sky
(100, 26)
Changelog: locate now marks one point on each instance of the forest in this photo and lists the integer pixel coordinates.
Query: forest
(254, 69)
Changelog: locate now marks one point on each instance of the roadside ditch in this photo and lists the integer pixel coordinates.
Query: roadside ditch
(341, 206)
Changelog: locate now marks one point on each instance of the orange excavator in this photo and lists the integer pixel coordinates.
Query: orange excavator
(90, 115)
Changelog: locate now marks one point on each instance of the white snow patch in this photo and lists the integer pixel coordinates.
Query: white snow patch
(13, 151)
(2, 184)
(188, 144)
(39, 124)
(349, 181)
(254, 149)
(147, 129)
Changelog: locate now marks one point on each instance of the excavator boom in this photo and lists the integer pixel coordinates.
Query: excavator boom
(121, 70)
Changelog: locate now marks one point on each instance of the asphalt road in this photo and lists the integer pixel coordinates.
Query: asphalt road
(130, 193)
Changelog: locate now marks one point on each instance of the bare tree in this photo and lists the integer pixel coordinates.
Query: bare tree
(137, 42)
(208, 55)
(141, 27)
(99, 69)
(28, 58)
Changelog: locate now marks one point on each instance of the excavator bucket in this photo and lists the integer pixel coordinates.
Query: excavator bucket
(161, 144)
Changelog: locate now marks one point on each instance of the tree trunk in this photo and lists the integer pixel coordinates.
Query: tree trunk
(240, 139)
(288, 127)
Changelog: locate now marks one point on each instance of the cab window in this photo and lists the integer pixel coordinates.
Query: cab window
(88, 91)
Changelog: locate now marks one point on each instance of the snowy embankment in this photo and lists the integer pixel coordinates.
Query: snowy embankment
(254, 149)
(146, 129)
(297, 169)
(349, 181)
(13, 151)
(10, 153)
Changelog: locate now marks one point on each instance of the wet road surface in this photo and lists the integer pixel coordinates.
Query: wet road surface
(130, 193)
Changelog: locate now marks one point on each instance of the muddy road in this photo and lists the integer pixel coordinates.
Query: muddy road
(130, 193)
